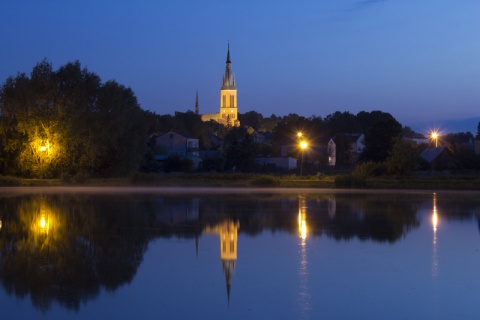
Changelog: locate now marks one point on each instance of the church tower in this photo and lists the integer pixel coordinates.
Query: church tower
(228, 95)
(228, 115)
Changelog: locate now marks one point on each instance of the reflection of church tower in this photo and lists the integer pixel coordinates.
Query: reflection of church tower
(228, 250)
(228, 95)
(228, 232)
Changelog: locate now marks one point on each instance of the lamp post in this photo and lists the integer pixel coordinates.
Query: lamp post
(435, 137)
(303, 146)
(44, 152)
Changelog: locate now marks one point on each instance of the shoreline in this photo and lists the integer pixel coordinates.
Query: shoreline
(186, 190)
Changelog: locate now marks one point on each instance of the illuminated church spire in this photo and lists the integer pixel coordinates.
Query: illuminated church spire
(228, 82)
(228, 96)
(228, 114)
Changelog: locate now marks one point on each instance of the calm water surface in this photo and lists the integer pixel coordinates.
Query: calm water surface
(321, 255)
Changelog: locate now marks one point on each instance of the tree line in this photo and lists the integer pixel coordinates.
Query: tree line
(67, 122)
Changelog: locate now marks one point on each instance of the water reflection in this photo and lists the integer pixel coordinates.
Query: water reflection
(228, 236)
(68, 248)
(434, 226)
(303, 292)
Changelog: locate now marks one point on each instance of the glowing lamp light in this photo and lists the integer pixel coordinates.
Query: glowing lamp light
(43, 148)
(303, 144)
(299, 134)
(43, 222)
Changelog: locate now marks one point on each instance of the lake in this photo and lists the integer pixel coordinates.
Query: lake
(98, 253)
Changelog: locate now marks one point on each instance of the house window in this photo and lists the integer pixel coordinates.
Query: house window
(232, 100)
(224, 101)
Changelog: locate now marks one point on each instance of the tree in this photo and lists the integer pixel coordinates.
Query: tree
(268, 124)
(68, 122)
(403, 157)
(343, 156)
(251, 119)
(379, 139)
(368, 119)
(31, 111)
(341, 122)
(478, 131)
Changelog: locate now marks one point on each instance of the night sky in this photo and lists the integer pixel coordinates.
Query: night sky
(416, 59)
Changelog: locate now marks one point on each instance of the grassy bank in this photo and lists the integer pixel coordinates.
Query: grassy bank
(256, 180)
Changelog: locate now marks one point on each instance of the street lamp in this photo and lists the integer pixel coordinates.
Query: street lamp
(303, 146)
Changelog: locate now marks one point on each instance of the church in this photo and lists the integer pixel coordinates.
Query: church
(228, 114)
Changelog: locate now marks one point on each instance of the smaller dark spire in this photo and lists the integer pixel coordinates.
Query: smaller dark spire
(228, 53)
(196, 104)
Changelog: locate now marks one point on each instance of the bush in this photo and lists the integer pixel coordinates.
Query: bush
(264, 181)
(350, 181)
(9, 181)
(145, 179)
(371, 169)
(66, 178)
(80, 178)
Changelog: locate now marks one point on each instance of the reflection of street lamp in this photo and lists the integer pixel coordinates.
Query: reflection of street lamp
(302, 218)
(303, 146)
(434, 225)
(435, 137)
(43, 220)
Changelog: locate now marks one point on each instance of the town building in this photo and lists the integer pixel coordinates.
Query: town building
(282, 163)
(476, 146)
(439, 158)
(177, 143)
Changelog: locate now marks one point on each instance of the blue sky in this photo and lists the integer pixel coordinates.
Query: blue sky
(417, 59)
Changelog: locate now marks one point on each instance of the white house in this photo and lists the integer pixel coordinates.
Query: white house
(356, 142)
